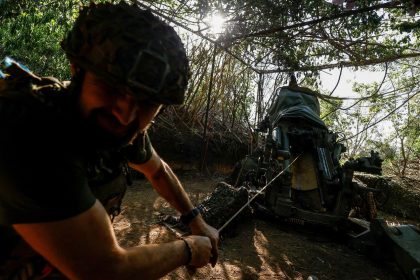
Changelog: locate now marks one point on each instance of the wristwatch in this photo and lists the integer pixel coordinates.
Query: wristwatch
(189, 216)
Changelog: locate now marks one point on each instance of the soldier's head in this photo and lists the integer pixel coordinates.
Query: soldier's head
(128, 63)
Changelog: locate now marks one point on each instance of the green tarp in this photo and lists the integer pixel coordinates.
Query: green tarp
(295, 103)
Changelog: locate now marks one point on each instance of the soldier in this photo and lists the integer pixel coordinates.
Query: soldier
(65, 149)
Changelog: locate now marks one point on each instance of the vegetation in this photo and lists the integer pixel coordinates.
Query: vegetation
(262, 43)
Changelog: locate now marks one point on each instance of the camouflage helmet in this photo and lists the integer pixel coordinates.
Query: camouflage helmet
(128, 46)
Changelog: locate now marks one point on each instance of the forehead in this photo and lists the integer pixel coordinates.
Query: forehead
(108, 87)
(103, 84)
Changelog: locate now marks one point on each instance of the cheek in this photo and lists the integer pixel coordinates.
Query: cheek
(90, 100)
(85, 105)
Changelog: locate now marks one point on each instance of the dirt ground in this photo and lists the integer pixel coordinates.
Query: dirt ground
(260, 248)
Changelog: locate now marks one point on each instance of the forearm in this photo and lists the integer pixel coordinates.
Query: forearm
(166, 183)
(152, 261)
(168, 186)
(92, 251)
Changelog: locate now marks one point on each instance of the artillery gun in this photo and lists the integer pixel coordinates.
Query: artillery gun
(316, 188)
(297, 173)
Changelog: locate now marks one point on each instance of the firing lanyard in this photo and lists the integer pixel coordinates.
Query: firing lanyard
(257, 194)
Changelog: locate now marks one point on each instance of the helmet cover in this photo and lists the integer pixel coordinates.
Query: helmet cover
(130, 47)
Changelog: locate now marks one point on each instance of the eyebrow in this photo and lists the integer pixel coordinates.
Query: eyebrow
(96, 81)
(101, 82)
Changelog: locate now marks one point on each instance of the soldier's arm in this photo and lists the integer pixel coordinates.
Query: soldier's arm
(85, 247)
(166, 183)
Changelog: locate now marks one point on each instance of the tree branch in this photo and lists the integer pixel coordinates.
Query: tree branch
(381, 119)
(392, 4)
(342, 63)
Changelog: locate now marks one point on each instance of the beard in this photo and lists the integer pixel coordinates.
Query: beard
(91, 134)
(101, 138)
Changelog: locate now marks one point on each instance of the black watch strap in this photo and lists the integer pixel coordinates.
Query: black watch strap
(189, 216)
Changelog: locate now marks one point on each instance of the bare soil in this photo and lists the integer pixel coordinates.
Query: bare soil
(259, 249)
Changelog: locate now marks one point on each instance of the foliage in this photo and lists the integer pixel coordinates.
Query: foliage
(403, 144)
(31, 32)
(396, 103)
(310, 35)
(305, 37)
(267, 40)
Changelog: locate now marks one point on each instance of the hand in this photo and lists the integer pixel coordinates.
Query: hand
(200, 227)
(200, 250)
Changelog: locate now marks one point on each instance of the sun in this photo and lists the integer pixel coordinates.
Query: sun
(216, 22)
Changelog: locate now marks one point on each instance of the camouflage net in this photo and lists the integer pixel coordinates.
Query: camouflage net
(224, 202)
(403, 199)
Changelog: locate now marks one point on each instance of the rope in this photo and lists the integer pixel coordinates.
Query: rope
(257, 194)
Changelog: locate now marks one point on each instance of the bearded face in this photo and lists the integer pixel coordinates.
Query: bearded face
(112, 117)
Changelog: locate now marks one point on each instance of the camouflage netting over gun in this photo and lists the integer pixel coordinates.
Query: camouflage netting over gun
(218, 207)
(223, 203)
(404, 195)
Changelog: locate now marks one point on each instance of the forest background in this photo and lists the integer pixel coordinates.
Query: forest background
(237, 68)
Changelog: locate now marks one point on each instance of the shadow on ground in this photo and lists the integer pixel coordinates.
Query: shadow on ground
(258, 249)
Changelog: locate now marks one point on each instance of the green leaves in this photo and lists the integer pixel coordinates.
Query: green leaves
(31, 32)
(286, 36)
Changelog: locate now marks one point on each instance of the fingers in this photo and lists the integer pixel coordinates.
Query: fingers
(214, 257)
(215, 242)
(191, 270)
(201, 249)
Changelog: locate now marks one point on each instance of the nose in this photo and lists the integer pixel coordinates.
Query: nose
(125, 108)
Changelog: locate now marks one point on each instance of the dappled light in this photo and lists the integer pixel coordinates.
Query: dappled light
(258, 45)
(257, 249)
(305, 113)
